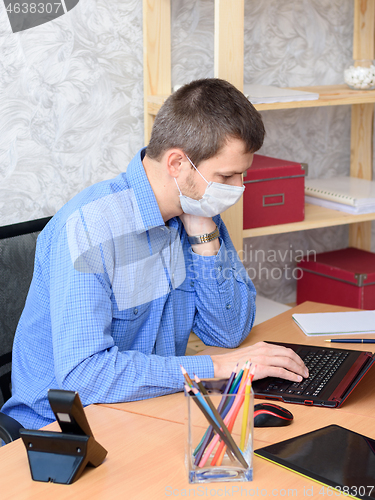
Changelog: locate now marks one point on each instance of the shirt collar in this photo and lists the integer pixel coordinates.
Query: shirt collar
(144, 195)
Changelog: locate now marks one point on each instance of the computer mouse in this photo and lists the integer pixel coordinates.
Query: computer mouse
(271, 415)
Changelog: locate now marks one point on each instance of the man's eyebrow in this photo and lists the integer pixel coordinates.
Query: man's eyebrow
(232, 172)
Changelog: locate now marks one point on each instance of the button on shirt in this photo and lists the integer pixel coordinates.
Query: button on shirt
(113, 299)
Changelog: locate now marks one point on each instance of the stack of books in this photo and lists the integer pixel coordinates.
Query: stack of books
(347, 194)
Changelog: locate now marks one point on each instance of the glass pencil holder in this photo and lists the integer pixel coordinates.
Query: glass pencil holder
(218, 454)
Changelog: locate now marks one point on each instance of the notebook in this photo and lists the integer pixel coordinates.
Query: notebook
(343, 193)
(332, 455)
(341, 207)
(336, 323)
(333, 375)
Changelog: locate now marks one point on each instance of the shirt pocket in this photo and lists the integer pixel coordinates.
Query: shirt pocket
(137, 313)
(188, 285)
(128, 325)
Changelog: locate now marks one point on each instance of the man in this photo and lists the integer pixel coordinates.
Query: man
(127, 268)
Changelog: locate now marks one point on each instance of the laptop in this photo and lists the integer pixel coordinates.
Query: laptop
(333, 375)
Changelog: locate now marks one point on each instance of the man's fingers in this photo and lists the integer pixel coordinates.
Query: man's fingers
(277, 356)
(271, 360)
(278, 367)
(275, 371)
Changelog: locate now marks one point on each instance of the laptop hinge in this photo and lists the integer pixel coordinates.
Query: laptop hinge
(356, 372)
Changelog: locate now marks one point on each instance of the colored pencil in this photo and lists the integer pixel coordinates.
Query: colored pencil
(237, 380)
(245, 414)
(186, 376)
(206, 412)
(209, 434)
(233, 390)
(232, 415)
(244, 376)
(249, 373)
(215, 440)
(234, 447)
(226, 413)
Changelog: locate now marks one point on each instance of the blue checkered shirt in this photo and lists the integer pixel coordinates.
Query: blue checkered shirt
(113, 299)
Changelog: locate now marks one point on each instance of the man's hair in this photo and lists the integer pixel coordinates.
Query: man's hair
(201, 116)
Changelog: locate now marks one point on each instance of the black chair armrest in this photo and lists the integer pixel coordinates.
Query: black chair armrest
(9, 428)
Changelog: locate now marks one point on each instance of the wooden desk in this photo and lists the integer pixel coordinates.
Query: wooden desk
(145, 443)
(278, 329)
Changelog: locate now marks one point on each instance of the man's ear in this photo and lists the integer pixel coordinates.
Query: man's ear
(175, 160)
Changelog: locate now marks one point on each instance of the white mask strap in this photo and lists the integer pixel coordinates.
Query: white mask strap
(196, 168)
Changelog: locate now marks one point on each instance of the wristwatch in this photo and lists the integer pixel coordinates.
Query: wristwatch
(204, 238)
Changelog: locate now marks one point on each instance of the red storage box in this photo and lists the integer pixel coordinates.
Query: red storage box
(274, 193)
(342, 277)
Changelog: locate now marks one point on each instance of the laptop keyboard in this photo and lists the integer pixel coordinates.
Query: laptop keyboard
(322, 366)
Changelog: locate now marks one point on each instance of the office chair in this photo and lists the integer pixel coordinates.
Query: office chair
(9, 428)
(17, 251)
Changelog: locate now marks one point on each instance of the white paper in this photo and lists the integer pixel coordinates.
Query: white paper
(338, 323)
(258, 94)
(341, 207)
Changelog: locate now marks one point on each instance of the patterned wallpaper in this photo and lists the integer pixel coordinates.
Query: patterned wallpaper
(71, 105)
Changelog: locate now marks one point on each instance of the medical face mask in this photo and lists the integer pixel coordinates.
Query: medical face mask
(216, 199)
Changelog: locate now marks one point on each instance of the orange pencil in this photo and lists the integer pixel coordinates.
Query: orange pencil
(233, 419)
(216, 439)
(244, 376)
(219, 455)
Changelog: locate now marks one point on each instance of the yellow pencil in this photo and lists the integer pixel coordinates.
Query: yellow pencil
(219, 455)
(245, 414)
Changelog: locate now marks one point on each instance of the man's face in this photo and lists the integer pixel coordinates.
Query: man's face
(227, 167)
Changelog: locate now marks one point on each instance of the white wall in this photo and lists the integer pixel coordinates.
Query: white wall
(71, 105)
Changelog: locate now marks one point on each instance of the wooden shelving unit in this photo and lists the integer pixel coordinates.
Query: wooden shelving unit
(229, 57)
(315, 217)
(329, 95)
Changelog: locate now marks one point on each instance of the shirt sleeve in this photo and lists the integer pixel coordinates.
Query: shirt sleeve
(225, 295)
(86, 358)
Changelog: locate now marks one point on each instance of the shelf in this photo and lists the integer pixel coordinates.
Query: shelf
(330, 95)
(228, 64)
(315, 217)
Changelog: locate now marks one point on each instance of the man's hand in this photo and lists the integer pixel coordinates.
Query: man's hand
(270, 360)
(196, 226)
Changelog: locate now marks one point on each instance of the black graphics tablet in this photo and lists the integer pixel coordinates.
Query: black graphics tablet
(333, 456)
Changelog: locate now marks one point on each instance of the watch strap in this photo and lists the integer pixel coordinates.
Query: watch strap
(204, 238)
